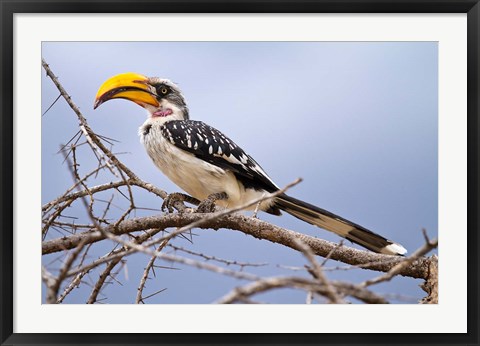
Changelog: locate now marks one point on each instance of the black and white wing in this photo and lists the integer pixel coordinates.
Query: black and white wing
(212, 146)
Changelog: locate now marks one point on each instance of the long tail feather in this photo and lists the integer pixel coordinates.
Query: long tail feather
(336, 224)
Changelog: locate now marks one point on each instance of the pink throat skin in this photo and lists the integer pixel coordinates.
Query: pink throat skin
(162, 113)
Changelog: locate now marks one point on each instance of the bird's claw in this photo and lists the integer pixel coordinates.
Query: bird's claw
(168, 203)
(206, 206)
(171, 201)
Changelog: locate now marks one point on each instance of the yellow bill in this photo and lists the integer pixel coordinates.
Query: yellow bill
(130, 86)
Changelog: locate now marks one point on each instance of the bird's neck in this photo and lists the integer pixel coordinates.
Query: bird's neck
(158, 120)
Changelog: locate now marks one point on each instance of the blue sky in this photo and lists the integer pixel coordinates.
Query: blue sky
(357, 121)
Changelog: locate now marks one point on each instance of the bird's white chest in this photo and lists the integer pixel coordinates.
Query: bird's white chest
(197, 177)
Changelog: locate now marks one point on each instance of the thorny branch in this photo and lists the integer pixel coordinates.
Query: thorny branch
(77, 238)
(262, 285)
(254, 227)
(317, 272)
(149, 267)
(215, 259)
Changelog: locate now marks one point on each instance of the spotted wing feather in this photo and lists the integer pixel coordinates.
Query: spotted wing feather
(211, 145)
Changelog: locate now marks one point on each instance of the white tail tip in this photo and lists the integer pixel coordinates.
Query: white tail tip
(394, 249)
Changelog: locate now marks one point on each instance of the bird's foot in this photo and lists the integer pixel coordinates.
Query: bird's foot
(176, 200)
(208, 204)
(255, 212)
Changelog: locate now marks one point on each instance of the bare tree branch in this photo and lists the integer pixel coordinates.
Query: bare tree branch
(53, 285)
(254, 227)
(149, 266)
(101, 280)
(318, 274)
(216, 259)
(240, 293)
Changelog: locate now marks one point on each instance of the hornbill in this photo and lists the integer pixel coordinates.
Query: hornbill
(210, 166)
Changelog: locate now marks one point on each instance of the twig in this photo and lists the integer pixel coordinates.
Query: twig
(169, 258)
(318, 274)
(101, 280)
(74, 283)
(325, 260)
(263, 285)
(213, 258)
(58, 97)
(54, 285)
(144, 278)
(153, 294)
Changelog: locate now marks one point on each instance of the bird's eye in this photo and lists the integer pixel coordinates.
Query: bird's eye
(163, 90)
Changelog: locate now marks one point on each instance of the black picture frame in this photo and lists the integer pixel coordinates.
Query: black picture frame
(10, 7)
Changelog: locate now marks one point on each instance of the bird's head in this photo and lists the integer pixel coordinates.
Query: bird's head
(160, 97)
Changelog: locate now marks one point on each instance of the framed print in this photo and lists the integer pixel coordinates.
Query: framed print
(206, 171)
